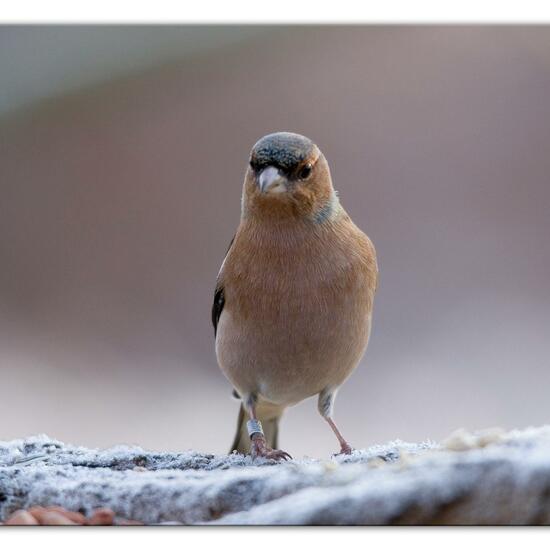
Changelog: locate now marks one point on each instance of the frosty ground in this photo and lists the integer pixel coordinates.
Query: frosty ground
(488, 477)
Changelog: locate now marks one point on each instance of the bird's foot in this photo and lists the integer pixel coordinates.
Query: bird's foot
(345, 449)
(259, 448)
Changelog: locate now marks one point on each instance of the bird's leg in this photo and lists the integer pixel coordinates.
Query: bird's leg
(325, 406)
(258, 443)
(345, 447)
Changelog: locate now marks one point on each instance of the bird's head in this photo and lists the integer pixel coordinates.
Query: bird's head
(288, 176)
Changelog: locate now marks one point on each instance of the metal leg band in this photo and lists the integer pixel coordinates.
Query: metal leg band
(254, 427)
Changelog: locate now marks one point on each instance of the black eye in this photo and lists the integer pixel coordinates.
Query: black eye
(305, 172)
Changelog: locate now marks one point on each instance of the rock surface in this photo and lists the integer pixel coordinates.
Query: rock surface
(489, 477)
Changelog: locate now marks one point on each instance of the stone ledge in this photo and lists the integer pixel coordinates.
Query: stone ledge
(489, 477)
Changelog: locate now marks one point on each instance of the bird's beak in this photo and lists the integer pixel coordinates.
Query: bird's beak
(270, 180)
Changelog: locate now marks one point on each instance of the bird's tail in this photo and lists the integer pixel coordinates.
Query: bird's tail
(270, 424)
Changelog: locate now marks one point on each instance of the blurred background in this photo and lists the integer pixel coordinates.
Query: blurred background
(122, 154)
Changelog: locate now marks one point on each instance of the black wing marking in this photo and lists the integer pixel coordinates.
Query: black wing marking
(219, 298)
(217, 307)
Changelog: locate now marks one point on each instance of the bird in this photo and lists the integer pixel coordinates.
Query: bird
(293, 300)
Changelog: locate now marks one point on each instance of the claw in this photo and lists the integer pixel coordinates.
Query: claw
(278, 455)
(260, 449)
(272, 454)
(345, 450)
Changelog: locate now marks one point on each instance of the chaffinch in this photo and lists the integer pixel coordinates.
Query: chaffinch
(294, 296)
